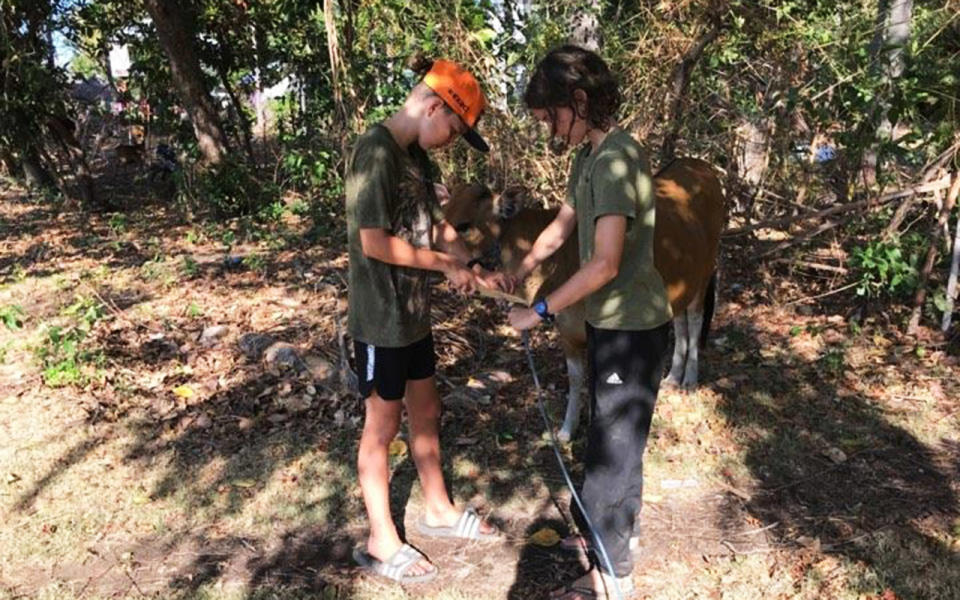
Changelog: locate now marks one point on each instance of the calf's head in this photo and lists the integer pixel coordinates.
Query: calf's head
(478, 216)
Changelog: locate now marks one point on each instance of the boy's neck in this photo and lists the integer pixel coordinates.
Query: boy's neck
(402, 128)
(597, 135)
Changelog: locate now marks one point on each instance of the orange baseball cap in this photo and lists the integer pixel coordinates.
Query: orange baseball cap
(461, 92)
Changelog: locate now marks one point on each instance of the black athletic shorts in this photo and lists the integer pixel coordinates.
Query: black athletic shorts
(387, 370)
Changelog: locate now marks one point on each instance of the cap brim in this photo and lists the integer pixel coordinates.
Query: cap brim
(473, 138)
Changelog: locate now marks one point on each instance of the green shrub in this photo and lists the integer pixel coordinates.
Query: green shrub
(12, 317)
(887, 268)
(62, 355)
(230, 189)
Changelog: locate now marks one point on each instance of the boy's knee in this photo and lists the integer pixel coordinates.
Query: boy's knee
(380, 434)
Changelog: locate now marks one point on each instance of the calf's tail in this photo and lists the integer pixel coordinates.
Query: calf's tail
(708, 306)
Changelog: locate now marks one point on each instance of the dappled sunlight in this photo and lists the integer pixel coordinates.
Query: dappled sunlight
(810, 456)
(828, 461)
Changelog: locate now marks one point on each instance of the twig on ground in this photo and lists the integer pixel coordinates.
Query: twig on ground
(812, 265)
(805, 237)
(733, 549)
(92, 579)
(823, 295)
(746, 496)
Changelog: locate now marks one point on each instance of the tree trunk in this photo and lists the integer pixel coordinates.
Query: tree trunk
(336, 65)
(33, 170)
(245, 125)
(894, 16)
(934, 236)
(63, 130)
(175, 30)
(952, 281)
(678, 91)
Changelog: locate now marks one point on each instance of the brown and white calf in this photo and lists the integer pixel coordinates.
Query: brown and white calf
(690, 216)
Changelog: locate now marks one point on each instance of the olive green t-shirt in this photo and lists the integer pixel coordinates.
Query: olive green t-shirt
(385, 188)
(616, 180)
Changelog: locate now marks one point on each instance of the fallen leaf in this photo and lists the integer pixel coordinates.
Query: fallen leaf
(243, 483)
(545, 537)
(184, 391)
(12, 478)
(398, 448)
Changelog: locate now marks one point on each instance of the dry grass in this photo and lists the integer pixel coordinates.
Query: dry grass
(814, 462)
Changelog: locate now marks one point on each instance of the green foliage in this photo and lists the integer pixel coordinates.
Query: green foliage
(189, 267)
(229, 189)
(833, 361)
(12, 317)
(4, 348)
(33, 88)
(194, 311)
(255, 262)
(62, 355)
(118, 223)
(312, 168)
(887, 268)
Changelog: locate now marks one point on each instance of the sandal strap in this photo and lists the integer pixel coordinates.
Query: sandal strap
(400, 562)
(468, 525)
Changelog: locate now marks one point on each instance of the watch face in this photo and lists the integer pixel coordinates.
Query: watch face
(541, 308)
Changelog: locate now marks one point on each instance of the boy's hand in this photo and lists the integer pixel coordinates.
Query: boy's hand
(493, 279)
(522, 319)
(461, 278)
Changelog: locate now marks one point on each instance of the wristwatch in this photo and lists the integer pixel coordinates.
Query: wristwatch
(540, 307)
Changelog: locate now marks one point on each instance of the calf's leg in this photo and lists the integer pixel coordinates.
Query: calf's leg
(575, 373)
(694, 324)
(680, 341)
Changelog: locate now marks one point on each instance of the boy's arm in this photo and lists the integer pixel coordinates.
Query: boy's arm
(593, 275)
(549, 240)
(379, 244)
(599, 270)
(448, 240)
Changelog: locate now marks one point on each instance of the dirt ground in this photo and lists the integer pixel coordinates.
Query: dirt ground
(151, 449)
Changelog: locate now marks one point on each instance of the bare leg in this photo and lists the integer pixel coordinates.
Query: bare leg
(380, 426)
(423, 411)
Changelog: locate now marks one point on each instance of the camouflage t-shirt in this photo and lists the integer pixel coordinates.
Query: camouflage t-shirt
(615, 180)
(386, 188)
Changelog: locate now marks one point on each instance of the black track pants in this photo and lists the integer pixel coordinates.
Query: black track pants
(624, 369)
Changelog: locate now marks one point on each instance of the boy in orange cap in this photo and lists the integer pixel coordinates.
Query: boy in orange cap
(393, 215)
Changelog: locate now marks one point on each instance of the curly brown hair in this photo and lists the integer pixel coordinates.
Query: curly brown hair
(567, 69)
